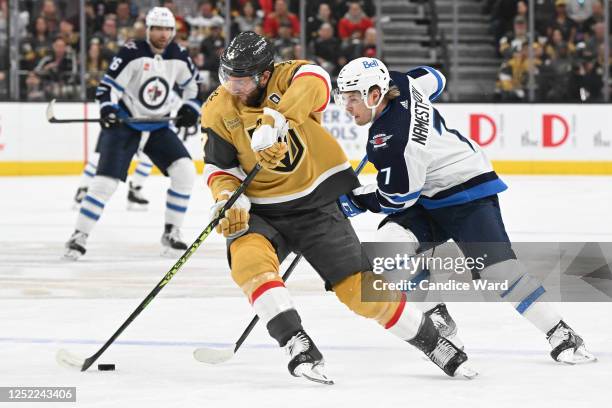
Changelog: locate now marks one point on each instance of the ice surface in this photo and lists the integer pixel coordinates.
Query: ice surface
(47, 304)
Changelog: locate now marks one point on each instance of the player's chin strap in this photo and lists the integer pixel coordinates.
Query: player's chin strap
(373, 108)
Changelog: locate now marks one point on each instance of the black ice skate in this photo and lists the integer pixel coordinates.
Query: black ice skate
(75, 247)
(136, 201)
(568, 347)
(172, 241)
(79, 196)
(306, 360)
(445, 324)
(441, 351)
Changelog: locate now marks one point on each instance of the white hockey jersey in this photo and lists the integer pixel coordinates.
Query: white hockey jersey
(145, 84)
(418, 157)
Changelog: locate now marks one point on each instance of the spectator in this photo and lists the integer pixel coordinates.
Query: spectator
(558, 74)
(326, 49)
(358, 47)
(597, 40)
(556, 43)
(586, 81)
(514, 40)
(513, 76)
(66, 31)
(563, 23)
(109, 36)
(212, 48)
(324, 15)
(182, 26)
(354, 20)
(285, 44)
(544, 12)
(58, 70)
(248, 18)
(93, 22)
(281, 14)
(597, 16)
(580, 10)
(36, 46)
(207, 17)
(124, 15)
(51, 15)
(96, 67)
(502, 16)
(34, 90)
(139, 31)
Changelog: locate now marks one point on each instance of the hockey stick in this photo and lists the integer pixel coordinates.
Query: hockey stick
(211, 355)
(68, 359)
(52, 119)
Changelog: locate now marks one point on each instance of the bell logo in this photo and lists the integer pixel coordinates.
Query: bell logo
(477, 122)
(369, 64)
(550, 130)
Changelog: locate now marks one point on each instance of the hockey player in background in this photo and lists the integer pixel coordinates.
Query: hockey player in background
(141, 77)
(271, 114)
(435, 184)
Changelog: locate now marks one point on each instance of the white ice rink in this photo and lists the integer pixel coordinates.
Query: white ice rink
(47, 304)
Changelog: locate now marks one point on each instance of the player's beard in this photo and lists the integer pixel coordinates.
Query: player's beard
(254, 99)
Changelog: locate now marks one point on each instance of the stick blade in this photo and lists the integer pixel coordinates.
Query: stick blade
(51, 111)
(69, 360)
(213, 356)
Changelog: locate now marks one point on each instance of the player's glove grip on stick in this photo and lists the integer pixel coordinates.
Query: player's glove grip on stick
(236, 220)
(348, 205)
(109, 117)
(269, 142)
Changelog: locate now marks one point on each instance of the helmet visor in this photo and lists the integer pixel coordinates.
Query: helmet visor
(238, 85)
(345, 99)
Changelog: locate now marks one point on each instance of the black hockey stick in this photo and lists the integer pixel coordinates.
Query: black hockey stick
(211, 355)
(68, 359)
(52, 119)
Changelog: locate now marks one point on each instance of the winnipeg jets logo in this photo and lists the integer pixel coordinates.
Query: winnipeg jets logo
(404, 104)
(154, 92)
(380, 140)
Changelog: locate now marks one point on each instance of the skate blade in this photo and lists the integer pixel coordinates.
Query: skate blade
(466, 372)
(313, 373)
(137, 207)
(71, 255)
(172, 253)
(580, 356)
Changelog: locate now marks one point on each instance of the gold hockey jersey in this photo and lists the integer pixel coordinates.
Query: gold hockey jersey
(315, 170)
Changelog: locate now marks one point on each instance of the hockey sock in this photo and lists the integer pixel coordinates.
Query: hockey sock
(89, 172)
(406, 320)
(182, 177)
(525, 293)
(273, 305)
(100, 191)
(143, 169)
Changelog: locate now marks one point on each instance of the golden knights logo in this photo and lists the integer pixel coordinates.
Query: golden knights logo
(294, 155)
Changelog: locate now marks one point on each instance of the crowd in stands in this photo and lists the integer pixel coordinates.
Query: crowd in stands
(568, 49)
(49, 37)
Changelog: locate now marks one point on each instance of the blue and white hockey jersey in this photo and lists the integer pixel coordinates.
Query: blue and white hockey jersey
(145, 84)
(419, 159)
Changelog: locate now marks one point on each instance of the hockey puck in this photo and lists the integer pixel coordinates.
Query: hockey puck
(106, 367)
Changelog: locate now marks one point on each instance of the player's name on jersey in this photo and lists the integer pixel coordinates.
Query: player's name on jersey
(450, 285)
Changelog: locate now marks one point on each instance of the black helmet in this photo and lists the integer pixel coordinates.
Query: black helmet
(248, 54)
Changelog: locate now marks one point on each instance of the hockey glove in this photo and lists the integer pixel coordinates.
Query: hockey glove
(236, 220)
(269, 142)
(188, 117)
(109, 117)
(348, 205)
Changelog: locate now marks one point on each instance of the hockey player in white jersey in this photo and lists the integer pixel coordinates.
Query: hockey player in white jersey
(139, 83)
(435, 184)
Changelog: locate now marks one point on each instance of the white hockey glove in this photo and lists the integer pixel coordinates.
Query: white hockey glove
(236, 220)
(269, 142)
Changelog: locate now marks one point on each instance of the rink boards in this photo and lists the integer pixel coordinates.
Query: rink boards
(518, 138)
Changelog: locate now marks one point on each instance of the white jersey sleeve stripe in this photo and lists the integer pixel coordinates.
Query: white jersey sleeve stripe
(320, 73)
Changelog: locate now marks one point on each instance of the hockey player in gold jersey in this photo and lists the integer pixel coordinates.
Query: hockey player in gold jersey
(271, 114)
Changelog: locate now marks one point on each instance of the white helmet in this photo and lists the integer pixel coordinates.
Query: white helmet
(160, 17)
(360, 75)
